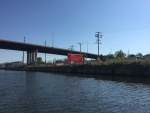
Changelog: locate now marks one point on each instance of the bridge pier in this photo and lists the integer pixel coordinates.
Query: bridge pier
(32, 57)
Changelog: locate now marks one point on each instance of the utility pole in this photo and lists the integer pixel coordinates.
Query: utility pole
(80, 46)
(71, 47)
(23, 49)
(53, 39)
(45, 52)
(98, 35)
(87, 49)
(128, 52)
(87, 45)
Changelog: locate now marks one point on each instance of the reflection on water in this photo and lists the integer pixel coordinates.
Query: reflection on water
(33, 92)
(128, 79)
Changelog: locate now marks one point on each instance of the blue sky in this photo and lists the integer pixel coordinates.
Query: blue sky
(125, 25)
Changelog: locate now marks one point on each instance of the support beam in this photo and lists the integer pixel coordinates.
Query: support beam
(36, 56)
(32, 57)
(27, 57)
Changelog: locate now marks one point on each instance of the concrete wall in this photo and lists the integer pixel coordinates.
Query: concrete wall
(117, 69)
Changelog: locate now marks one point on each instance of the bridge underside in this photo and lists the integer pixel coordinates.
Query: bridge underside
(32, 50)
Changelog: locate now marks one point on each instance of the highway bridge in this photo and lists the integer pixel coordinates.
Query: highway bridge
(32, 50)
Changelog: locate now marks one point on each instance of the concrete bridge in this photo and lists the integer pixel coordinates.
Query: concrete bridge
(33, 49)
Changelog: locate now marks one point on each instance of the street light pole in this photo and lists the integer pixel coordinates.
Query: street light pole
(53, 39)
(23, 50)
(80, 47)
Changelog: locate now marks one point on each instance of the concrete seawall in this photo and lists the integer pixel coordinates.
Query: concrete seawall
(117, 69)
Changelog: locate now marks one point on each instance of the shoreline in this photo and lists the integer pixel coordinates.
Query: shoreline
(118, 69)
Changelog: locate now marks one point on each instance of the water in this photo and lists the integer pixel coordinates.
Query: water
(33, 92)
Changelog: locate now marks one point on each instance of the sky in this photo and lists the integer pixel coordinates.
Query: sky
(124, 24)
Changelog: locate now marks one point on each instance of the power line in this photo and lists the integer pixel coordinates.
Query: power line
(131, 28)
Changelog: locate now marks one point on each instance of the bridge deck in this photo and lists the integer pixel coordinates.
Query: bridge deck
(12, 45)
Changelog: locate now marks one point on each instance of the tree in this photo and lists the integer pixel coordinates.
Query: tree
(146, 55)
(39, 60)
(139, 55)
(110, 56)
(120, 54)
(102, 58)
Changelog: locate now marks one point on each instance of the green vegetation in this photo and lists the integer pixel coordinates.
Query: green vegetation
(117, 64)
(120, 54)
(39, 60)
(119, 58)
(114, 68)
(127, 62)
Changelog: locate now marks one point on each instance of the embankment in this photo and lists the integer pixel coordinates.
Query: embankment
(133, 69)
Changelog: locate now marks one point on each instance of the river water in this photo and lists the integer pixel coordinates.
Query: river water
(34, 92)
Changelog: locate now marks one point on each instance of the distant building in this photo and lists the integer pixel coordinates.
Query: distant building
(131, 57)
(13, 64)
(139, 57)
(135, 57)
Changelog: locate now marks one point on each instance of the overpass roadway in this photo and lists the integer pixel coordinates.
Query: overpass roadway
(21, 46)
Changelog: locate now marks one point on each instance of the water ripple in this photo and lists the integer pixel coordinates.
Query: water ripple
(28, 92)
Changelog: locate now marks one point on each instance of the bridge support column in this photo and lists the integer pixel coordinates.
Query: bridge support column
(32, 57)
(36, 56)
(27, 57)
